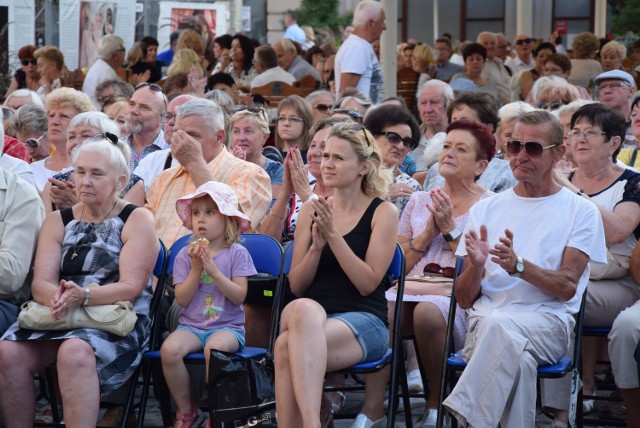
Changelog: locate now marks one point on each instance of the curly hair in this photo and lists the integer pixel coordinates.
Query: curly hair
(68, 97)
(192, 40)
(585, 45)
(51, 53)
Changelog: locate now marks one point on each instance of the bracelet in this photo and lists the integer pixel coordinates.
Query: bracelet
(580, 192)
(413, 249)
(87, 297)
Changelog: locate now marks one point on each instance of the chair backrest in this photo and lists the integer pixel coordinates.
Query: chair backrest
(174, 250)
(307, 82)
(160, 272)
(274, 92)
(407, 85)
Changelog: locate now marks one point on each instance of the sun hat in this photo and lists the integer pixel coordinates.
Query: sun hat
(224, 197)
(616, 74)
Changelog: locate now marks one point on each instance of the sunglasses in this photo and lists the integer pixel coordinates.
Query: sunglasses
(358, 127)
(153, 87)
(31, 61)
(6, 113)
(523, 41)
(435, 268)
(112, 138)
(533, 148)
(33, 143)
(351, 113)
(551, 106)
(395, 138)
(322, 107)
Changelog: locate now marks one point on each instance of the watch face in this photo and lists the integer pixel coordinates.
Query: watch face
(520, 265)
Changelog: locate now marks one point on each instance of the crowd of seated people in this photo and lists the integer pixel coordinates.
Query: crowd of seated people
(337, 174)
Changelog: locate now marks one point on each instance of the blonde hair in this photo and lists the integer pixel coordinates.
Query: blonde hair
(182, 62)
(116, 108)
(614, 47)
(51, 53)
(232, 232)
(68, 97)
(376, 182)
(136, 54)
(192, 40)
(424, 55)
(258, 119)
(585, 45)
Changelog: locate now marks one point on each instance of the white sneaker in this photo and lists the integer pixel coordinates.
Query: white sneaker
(362, 421)
(414, 379)
(429, 419)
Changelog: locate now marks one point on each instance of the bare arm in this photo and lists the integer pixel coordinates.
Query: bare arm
(135, 195)
(634, 264)
(349, 80)
(46, 275)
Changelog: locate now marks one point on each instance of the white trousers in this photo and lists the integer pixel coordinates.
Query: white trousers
(503, 351)
(623, 339)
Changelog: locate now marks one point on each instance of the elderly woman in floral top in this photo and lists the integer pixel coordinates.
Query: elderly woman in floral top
(396, 132)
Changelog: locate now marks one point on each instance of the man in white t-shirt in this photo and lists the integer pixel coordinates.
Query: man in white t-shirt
(526, 267)
(357, 65)
(111, 55)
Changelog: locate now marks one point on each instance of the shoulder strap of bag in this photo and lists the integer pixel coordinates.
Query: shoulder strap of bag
(634, 155)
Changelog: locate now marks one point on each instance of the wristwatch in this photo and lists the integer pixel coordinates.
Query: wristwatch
(453, 234)
(519, 267)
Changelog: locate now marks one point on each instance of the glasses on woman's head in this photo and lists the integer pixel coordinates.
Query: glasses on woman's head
(33, 143)
(322, 107)
(551, 105)
(395, 138)
(358, 127)
(591, 135)
(435, 268)
(31, 61)
(250, 109)
(533, 148)
(351, 113)
(112, 138)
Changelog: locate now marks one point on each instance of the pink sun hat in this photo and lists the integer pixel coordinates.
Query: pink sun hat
(224, 197)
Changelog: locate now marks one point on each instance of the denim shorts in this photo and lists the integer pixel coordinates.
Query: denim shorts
(370, 331)
(203, 336)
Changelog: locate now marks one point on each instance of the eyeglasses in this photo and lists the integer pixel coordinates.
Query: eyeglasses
(33, 143)
(112, 138)
(550, 70)
(250, 109)
(351, 113)
(31, 61)
(591, 135)
(533, 148)
(612, 85)
(524, 41)
(551, 106)
(105, 98)
(432, 268)
(169, 116)
(395, 138)
(322, 107)
(289, 119)
(6, 113)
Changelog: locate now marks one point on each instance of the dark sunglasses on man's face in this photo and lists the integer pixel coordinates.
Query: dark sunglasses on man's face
(322, 107)
(533, 148)
(523, 41)
(395, 138)
(31, 61)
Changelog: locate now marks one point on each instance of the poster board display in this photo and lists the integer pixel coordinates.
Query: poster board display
(210, 20)
(84, 22)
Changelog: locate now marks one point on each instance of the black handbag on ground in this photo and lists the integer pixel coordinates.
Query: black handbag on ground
(241, 391)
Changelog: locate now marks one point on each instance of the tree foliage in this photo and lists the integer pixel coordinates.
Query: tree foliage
(321, 14)
(627, 18)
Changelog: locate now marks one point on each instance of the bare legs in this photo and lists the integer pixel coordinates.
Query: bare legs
(77, 377)
(302, 359)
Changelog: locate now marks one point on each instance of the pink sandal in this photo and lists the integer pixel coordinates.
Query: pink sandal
(187, 419)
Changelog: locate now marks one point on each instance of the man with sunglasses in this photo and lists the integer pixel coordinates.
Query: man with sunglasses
(526, 254)
(616, 90)
(145, 117)
(523, 60)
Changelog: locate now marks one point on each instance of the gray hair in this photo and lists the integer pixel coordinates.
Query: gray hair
(116, 155)
(124, 89)
(514, 110)
(366, 10)
(35, 99)
(572, 107)
(222, 99)
(30, 118)
(315, 94)
(95, 119)
(108, 45)
(444, 87)
(211, 113)
(554, 84)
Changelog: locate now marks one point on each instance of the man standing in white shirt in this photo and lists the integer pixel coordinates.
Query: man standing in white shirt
(523, 60)
(111, 55)
(294, 31)
(357, 65)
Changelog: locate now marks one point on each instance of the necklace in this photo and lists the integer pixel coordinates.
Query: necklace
(94, 226)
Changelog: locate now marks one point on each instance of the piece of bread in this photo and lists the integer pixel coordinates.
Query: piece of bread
(202, 242)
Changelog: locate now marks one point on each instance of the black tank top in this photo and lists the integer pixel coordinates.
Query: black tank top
(332, 288)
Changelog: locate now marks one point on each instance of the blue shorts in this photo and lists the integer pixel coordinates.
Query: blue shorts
(370, 331)
(203, 336)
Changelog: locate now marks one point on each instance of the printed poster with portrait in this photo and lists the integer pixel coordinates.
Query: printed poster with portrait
(209, 20)
(84, 22)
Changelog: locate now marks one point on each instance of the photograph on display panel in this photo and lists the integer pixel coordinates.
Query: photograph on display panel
(203, 21)
(97, 19)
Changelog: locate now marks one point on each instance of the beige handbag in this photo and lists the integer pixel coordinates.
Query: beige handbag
(118, 318)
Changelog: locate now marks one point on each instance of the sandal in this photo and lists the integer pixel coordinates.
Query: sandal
(587, 406)
(187, 419)
(337, 407)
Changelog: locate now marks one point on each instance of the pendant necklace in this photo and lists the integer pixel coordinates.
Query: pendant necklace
(93, 227)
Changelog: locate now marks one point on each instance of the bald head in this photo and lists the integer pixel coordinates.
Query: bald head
(171, 114)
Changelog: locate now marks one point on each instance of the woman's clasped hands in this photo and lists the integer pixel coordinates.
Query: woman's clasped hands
(68, 296)
(322, 226)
